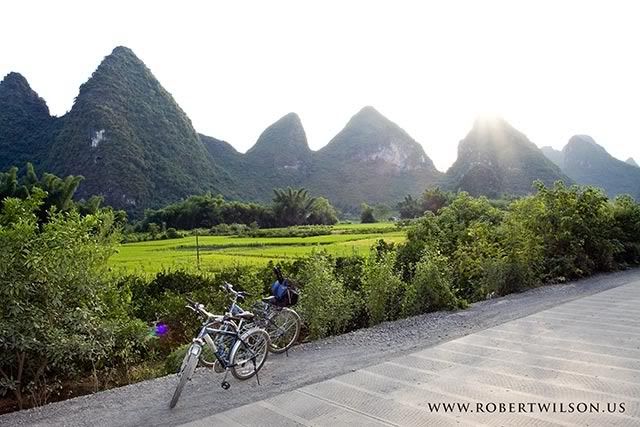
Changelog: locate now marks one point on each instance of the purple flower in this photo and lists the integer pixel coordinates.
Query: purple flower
(161, 329)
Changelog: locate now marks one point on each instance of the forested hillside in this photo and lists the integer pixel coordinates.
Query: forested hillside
(495, 159)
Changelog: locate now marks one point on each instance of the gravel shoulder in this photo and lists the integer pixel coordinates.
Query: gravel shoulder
(146, 403)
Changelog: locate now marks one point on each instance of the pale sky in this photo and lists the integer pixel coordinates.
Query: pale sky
(551, 68)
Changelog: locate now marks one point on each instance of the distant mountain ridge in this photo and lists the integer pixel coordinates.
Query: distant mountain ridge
(495, 159)
(135, 146)
(372, 159)
(588, 163)
(26, 127)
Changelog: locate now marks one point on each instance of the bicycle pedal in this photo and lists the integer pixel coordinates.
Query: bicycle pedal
(225, 385)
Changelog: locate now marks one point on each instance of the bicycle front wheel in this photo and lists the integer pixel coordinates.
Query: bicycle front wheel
(283, 329)
(249, 353)
(187, 369)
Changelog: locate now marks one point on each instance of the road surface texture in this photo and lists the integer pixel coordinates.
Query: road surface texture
(584, 356)
(570, 345)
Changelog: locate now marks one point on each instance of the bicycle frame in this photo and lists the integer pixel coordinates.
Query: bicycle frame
(204, 338)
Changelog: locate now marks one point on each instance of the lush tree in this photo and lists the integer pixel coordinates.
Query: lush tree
(366, 214)
(207, 211)
(292, 207)
(432, 200)
(58, 191)
(326, 306)
(409, 208)
(626, 229)
(322, 213)
(576, 226)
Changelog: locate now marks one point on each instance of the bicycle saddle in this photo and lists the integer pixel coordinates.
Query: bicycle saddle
(246, 315)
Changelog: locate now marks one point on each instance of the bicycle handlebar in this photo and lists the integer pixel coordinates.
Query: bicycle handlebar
(229, 288)
(198, 308)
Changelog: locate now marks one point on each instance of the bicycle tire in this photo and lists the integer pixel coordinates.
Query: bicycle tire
(279, 327)
(187, 369)
(253, 343)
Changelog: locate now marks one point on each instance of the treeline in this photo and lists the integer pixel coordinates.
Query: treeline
(66, 319)
(290, 207)
(57, 192)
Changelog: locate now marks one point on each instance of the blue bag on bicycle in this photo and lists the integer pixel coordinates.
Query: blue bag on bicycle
(285, 295)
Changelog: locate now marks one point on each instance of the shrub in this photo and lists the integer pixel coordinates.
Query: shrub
(324, 306)
(626, 230)
(62, 316)
(172, 233)
(174, 360)
(576, 227)
(366, 214)
(431, 287)
(382, 287)
(470, 261)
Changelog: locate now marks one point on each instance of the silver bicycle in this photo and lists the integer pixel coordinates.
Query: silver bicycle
(281, 323)
(225, 343)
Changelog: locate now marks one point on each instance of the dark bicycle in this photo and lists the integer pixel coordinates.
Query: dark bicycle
(225, 343)
(274, 314)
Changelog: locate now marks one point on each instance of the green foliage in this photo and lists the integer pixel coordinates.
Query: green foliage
(626, 230)
(58, 191)
(557, 234)
(432, 200)
(172, 233)
(61, 314)
(575, 225)
(475, 250)
(431, 287)
(366, 214)
(207, 211)
(174, 360)
(292, 207)
(382, 287)
(322, 212)
(326, 306)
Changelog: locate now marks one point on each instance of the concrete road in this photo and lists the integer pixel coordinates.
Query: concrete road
(574, 364)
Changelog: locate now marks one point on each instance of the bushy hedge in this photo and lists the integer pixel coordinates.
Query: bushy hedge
(557, 234)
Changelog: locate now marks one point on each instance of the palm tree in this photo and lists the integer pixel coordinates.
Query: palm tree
(292, 207)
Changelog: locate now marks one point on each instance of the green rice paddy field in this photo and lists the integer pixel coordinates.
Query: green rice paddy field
(222, 251)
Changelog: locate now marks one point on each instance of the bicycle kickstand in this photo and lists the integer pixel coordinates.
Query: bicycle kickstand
(253, 359)
(224, 384)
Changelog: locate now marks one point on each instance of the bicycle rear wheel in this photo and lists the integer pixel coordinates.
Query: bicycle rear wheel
(283, 329)
(249, 353)
(187, 369)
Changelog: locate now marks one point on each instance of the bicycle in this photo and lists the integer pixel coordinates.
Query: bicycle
(235, 348)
